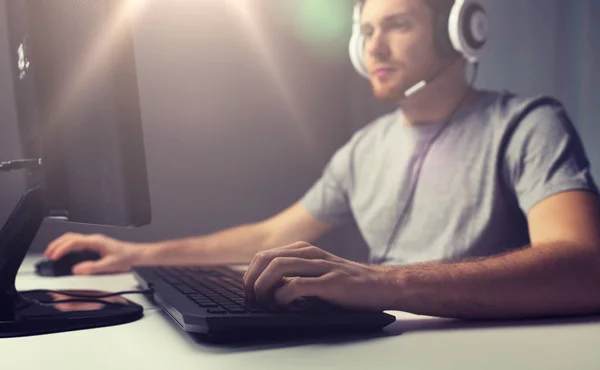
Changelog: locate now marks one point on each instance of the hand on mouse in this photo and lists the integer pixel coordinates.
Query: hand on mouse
(116, 256)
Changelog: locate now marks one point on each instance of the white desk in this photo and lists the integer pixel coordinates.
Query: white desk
(412, 342)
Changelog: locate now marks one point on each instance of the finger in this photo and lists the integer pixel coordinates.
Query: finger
(296, 245)
(71, 245)
(299, 287)
(262, 260)
(58, 241)
(57, 246)
(104, 265)
(82, 242)
(292, 246)
(282, 267)
(283, 251)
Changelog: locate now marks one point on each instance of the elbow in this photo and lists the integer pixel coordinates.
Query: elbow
(593, 266)
(595, 271)
(591, 281)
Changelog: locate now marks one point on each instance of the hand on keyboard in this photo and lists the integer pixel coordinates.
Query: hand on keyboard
(301, 270)
(220, 290)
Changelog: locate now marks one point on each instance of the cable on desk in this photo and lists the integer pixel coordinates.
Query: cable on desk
(79, 300)
(92, 296)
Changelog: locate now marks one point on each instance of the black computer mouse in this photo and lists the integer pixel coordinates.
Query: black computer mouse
(64, 265)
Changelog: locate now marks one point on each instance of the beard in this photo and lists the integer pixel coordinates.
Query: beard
(387, 93)
(390, 91)
(393, 88)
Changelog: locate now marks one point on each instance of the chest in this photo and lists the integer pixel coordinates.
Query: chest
(452, 180)
(454, 164)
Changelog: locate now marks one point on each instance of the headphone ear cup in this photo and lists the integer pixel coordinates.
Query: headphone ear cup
(356, 48)
(357, 54)
(468, 28)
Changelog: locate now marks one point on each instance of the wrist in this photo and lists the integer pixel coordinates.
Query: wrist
(144, 254)
(420, 288)
(173, 252)
(393, 281)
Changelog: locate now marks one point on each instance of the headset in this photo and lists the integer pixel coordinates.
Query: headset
(461, 32)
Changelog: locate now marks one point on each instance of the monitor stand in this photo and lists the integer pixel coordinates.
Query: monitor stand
(31, 312)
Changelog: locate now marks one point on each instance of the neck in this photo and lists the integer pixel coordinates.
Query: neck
(439, 99)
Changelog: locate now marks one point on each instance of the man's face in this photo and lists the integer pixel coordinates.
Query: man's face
(399, 45)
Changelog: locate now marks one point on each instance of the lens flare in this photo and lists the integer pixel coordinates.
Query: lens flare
(99, 52)
(249, 16)
(323, 25)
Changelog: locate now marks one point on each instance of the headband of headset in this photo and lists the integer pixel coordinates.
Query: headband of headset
(463, 30)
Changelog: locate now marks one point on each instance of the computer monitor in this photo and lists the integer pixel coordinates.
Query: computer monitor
(78, 108)
(79, 120)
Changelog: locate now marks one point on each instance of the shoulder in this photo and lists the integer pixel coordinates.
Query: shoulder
(517, 115)
(525, 123)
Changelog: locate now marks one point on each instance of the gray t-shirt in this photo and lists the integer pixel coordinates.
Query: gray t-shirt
(477, 182)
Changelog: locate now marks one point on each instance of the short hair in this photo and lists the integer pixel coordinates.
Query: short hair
(437, 7)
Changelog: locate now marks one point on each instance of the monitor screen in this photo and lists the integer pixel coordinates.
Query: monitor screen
(78, 108)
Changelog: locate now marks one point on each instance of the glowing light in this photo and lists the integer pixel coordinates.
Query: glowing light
(322, 24)
(99, 51)
(248, 15)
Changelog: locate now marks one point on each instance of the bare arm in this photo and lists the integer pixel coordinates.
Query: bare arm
(239, 244)
(558, 274)
(233, 246)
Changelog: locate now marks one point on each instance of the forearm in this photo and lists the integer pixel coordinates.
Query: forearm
(540, 281)
(232, 246)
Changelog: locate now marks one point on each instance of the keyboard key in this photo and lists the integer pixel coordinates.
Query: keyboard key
(218, 290)
(235, 309)
(207, 304)
(257, 310)
(170, 279)
(185, 289)
(216, 310)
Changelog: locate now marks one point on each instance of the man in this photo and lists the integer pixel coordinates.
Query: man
(468, 211)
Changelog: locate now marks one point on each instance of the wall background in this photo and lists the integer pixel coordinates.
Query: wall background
(237, 129)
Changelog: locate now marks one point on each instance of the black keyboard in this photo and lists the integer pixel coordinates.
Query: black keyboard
(211, 302)
(220, 290)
